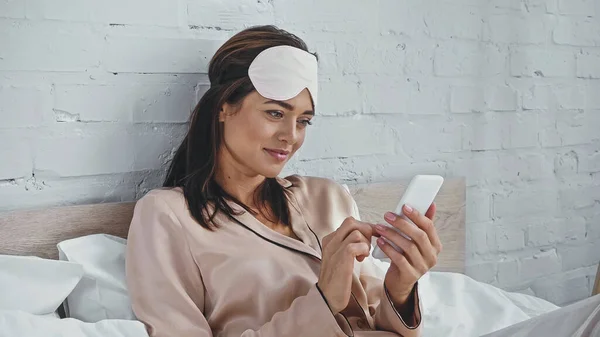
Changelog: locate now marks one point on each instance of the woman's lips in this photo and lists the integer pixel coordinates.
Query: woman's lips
(280, 155)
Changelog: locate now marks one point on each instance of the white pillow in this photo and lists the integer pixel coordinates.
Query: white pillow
(102, 292)
(18, 323)
(35, 285)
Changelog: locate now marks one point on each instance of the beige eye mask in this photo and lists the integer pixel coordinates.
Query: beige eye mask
(282, 72)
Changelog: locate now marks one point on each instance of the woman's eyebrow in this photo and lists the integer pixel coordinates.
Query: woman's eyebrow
(288, 106)
(284, 105)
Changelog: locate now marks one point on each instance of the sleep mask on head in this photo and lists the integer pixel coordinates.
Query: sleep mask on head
(282, 72)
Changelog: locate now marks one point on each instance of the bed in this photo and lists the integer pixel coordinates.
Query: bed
(447, 293)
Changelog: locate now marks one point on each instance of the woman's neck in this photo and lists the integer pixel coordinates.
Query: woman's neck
(235, 181)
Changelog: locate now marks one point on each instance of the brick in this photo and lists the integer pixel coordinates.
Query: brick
(580, 256)
(566, 163)
(16, 157)
(541, 6)
(522, 131)
(588, 65)
(524, 29)
(24, 106)
(477, 167)
(12, 9)
(401, 17)
(485, 132)
(532, 201)
(494, 131)
(424, 138)
(138, 103)
(592, 97)
(593, 227)
(514, 5)
(419, 58)
(369, 137)
(176, 55)
(534, 62)
(575, 31)
(509, 272)
(501, 98)
(579, 197)
(404, 168)
(362, 54)
(48, 46)
(490, 167)
(590, 163)
(301, 15)
(541, 264)
(47, 191)
(133, 12)
(152, 151)
(339, 97)
(566, 128)
(467, 99)
(483, 272)
(476, 237)
(410, 97)
(576, 7)
(552, 231)
(523, 167)
(85, 155)
(561, 96)
(479, 204)
(441, 22)
(94, 148)
(508, 238)
(230, 14)
(562, 289)
(465, 59)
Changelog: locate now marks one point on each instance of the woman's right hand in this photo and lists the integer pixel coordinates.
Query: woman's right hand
(352, 240)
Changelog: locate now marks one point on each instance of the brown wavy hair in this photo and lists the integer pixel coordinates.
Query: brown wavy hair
(194, 164)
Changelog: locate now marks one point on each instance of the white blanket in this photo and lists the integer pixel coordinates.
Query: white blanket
(15, 323)
(453, 305)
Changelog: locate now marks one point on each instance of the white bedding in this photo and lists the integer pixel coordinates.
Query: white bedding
(453, 305)
(22, 324)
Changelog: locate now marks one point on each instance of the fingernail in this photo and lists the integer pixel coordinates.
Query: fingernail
(381, 242)
(380, 228)
(390, 216)
(408, 209)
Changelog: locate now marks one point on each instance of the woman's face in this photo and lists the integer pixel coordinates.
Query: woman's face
(261, 135)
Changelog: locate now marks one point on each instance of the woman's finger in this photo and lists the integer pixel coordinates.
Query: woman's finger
(397, 258)
(348, 226)
(410, 249)
(426, 224)
(357, 237)
(413, 232)
(431, 211)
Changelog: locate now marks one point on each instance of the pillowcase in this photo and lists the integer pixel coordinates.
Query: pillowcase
(35, 285)
(102, 292)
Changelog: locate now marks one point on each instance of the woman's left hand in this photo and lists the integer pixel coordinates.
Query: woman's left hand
(419, 254)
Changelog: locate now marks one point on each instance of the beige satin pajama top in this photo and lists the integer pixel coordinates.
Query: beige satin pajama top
(244, 279)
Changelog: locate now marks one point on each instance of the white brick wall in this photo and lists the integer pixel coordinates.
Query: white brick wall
(93, 101)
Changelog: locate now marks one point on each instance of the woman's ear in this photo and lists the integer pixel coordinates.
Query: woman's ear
(226, 110)
(223, 113)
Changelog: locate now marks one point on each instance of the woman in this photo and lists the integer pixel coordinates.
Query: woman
(228, 248)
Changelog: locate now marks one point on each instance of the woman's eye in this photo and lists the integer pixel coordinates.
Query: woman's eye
(305, 122)
(275, 113)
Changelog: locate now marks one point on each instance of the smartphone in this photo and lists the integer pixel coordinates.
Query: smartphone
(419, 195)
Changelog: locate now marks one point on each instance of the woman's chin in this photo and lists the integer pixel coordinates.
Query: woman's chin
(272, 172)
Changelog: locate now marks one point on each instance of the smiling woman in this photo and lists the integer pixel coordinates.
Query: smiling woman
(228, 248)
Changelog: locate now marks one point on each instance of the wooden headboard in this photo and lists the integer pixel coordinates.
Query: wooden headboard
(36, 232)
